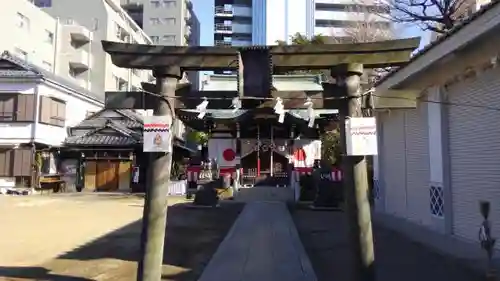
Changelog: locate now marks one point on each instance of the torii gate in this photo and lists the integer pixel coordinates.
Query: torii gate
(255, 67)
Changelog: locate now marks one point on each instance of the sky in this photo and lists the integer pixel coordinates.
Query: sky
(204, 11)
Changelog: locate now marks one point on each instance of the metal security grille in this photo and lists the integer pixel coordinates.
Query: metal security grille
(437, 201)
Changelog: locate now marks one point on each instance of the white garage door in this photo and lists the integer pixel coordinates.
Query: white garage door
(475, 152)
(394, 163)
(417, 165)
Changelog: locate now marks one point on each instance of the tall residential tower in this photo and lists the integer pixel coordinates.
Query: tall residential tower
(167, 22)
(261, 22)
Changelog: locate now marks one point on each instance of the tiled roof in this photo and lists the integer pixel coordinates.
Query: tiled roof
(29, 71)
(99, 122)
(101, 140)
(444, 37)
(128, 137)
(131, 120)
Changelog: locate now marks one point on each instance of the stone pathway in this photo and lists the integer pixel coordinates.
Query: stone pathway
(262, 245)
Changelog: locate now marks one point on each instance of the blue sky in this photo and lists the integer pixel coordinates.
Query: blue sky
(204, 11)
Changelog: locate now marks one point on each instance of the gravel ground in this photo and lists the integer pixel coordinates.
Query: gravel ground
(96, 237)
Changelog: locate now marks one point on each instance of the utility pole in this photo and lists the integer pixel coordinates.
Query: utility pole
(158, 179)
(357, 203)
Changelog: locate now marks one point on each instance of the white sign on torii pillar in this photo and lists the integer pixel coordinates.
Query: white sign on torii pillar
(361, 136)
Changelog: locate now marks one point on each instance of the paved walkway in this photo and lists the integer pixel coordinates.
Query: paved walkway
(262, 245)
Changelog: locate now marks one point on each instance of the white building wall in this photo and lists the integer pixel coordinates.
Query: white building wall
(28, 32)
(77, 107)
(275, 21)
(103, 17)
(16, 133)
(296, 18)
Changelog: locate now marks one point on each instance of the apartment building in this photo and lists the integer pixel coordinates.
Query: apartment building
(167, 22)
(263, 22)
(107, 21)
(39, 95)
(57, 47)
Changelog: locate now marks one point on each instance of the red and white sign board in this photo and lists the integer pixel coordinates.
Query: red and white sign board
(361, 136)
(157, 134)
(223, 151)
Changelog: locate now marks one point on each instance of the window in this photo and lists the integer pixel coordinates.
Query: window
(43, 3)
(49, 37)
(122, 85)
(21, 53)
(155, 39)
(23, 22)
(47, 65)
(17, 107)
(436, 200)
(169, 21)
(136, 72)
(121, 33)
(169, 3)
(73, 73)
(7, 110)
(155, 3)
(169, 38)
(155, 21)
(52, 111)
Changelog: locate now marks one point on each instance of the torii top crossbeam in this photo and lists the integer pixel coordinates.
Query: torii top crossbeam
(284, 58)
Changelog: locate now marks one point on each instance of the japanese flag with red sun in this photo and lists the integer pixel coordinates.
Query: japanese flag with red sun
(223, 151)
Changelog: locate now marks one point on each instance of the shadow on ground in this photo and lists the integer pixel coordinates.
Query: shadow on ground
(324, 236)
(193, 236)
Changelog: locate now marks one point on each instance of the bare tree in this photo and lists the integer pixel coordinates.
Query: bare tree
(439, 16)
(367, 25)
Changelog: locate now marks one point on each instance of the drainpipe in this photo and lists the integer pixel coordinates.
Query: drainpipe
(56, 46)
(34, 174)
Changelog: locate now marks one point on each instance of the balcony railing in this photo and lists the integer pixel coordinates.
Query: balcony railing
(222, 43)
(223, 27)
(223, 11)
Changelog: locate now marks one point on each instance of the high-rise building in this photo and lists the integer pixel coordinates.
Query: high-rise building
(59, 47)
(261, 22)
(107, 21)
(167, 22)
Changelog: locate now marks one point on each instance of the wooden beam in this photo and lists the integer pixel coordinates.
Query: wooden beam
(393, 99)
(293, 57)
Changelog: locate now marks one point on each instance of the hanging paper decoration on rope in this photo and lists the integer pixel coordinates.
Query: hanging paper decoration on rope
(202, 108)
(279, 109)
(311, 115)
(236, 104)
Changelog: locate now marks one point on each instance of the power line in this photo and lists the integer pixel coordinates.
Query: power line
(202, 98)
(442, 102)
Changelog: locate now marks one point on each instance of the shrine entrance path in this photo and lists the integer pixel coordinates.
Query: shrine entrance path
(262, 245)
